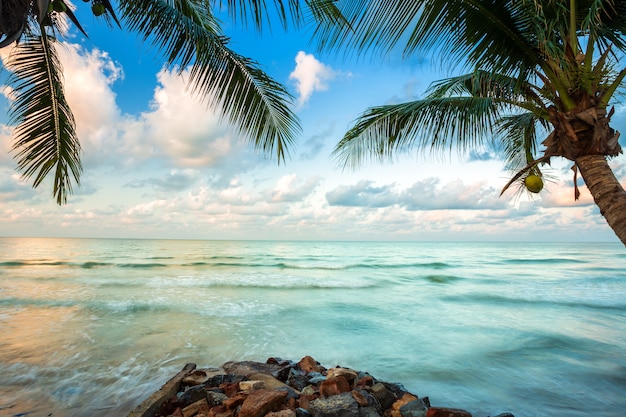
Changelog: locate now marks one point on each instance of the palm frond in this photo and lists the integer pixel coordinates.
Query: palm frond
(188, 33)
(45, 137)
(434, 124)
(505, 89)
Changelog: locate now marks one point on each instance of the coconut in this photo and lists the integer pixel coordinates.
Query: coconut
(533, 183)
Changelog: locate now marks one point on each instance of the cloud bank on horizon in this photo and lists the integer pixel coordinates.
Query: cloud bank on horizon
(174, 170)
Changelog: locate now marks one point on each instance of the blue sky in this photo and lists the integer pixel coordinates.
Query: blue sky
(159, 164)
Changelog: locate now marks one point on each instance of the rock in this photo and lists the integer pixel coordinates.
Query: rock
(366, 381)
(215, 398)
(235, 401)
(505, 415)
(251, 385)
(334, 386)
(199, 407)
(269, 381)
(405, 399)
(197, 377)
(342, 405)
(261, 402)
(308, 364)
(246, 368)
(302, 412)
(222, 378)
(368, 412)
(347, 373)
(383, 395)
(415, 408)
(192, 395)
(447, 412)
(281, 413)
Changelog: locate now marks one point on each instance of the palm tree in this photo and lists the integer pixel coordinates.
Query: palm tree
(186, 32)
(535, 70)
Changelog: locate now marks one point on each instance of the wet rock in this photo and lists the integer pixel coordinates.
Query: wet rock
(414, 408)
(199, 407)
(308, 364)
(302, 412)
(280, 388)
(215, 398)
(251, 385)
(383, 395)
(334, 386)
(221, 378)
(268, 380)
(281, 413)
(342, 405)
(398, 404)
(192, 395)
(261, 402)
(246, 368)
(368, 412)
(347, 373)
(447, 412)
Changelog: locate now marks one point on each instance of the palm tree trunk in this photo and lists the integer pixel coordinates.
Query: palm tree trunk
(606, 190)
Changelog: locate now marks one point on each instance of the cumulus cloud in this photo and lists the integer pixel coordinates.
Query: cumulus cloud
(310, 75)
(428, 194)
(362, 194)
(289, 189)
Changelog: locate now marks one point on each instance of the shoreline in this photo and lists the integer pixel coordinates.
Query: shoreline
(284, 388)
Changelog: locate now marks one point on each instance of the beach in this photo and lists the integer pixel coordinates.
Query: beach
(91, 327)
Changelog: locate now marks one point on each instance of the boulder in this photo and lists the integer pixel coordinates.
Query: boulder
(334, 386)
(383, 395)
(342, 405)
(447, 412)
(308, 364)
(199, 407)
(261, 402)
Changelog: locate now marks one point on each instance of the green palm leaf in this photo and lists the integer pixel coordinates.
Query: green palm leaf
(436, 124)
(188, 33)
(45, 137)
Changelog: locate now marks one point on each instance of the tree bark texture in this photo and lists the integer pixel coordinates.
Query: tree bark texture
(606, 190)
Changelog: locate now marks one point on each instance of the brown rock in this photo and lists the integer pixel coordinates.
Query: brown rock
(308, 364)
(235, 401)
(220, 411)
(366, 381)
(229, 388)
(269, 381)
(281, 413)
(251, 385)
(199, 407)
(347, 373)
(446, 412)
(261, 402)
(406, 398)
(334, 386)
(383, 395)
(359, 398)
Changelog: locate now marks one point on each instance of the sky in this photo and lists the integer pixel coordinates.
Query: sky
(157, 163)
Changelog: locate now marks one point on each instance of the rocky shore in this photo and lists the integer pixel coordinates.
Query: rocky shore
(284, 388)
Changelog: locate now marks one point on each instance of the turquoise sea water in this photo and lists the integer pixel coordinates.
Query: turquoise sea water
(91, 327)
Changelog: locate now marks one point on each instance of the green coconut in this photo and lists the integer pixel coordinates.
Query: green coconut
(98, 9)
(533, 183)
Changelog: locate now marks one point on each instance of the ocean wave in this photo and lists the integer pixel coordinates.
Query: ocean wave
(542, 261)
(499, 299)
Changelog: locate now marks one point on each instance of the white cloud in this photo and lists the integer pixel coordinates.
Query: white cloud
(310, 75)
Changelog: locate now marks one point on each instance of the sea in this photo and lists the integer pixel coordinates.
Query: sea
(91, 327)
